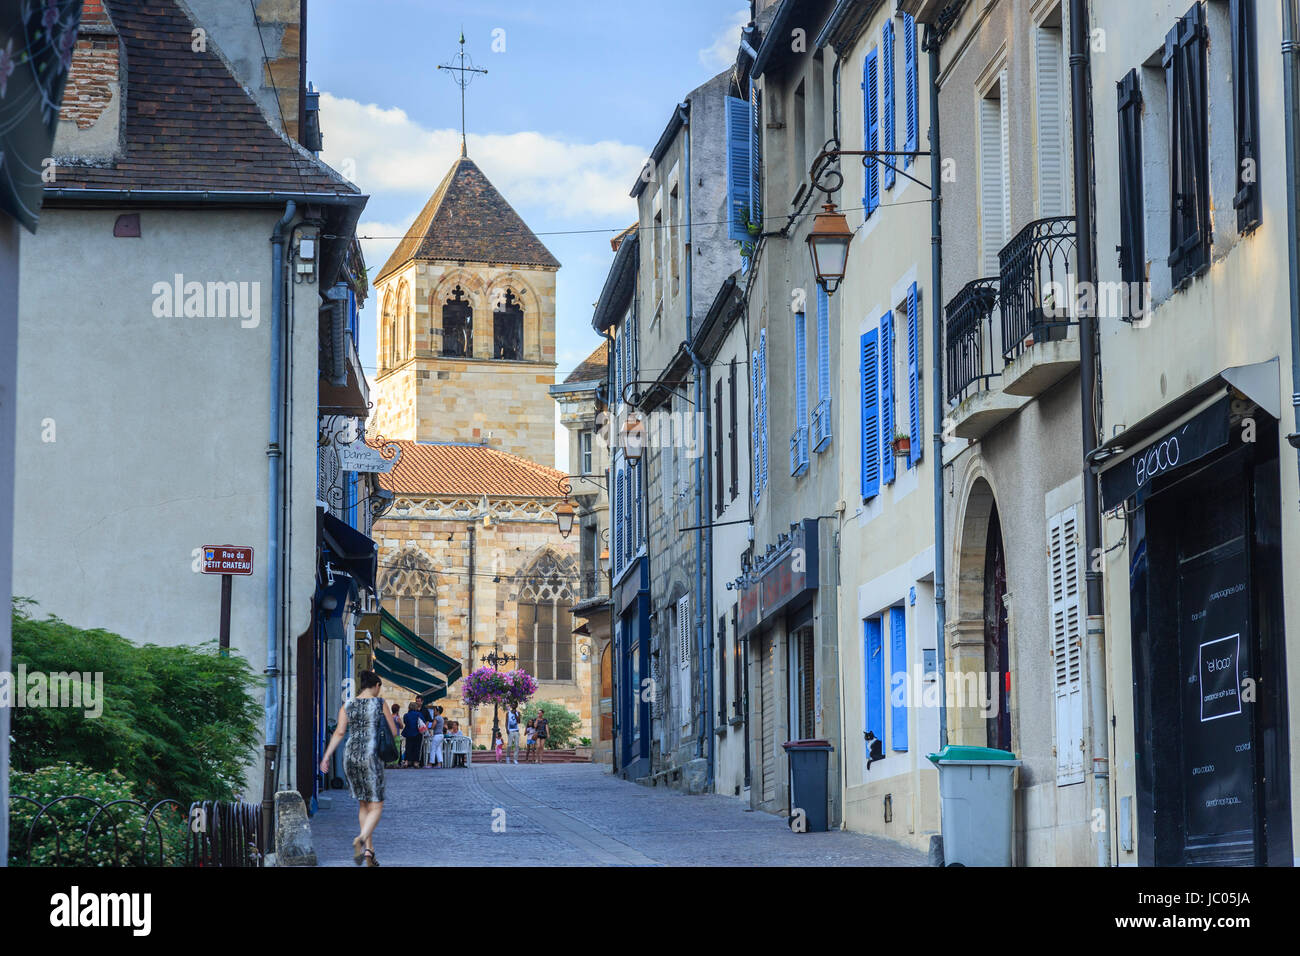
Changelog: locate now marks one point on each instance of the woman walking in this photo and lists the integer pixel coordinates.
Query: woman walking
(362, 764)
(435, 744)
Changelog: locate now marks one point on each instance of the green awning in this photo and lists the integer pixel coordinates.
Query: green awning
(397, 633)
(396, 671)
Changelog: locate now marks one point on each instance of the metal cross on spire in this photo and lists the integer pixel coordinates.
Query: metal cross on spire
(463, 78)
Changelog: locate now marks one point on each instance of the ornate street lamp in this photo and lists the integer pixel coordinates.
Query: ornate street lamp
(828, 244)
(496, 659)
(564, 515)
(633, 440)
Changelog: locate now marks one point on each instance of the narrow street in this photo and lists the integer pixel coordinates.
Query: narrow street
(577, 815)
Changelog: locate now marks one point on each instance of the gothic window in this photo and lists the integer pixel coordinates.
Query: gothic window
(389, 332)
(402, 348)
(458, 326)
(545, 635)
(508, 329)
(409, 588)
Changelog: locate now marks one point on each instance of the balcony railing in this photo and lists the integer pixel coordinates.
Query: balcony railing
(591, 584)
(799, 451)
(969, 335)
(1035, 284)
(821, 425)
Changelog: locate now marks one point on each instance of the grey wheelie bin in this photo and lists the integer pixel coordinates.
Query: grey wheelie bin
(977, 794)
(808, 761)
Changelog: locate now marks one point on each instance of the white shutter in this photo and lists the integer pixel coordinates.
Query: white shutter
(1050, 67)
(684, 656)
(1004, 99)
(1067, 643)
(992, 183)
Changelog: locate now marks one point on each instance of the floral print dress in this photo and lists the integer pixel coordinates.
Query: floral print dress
(361, 763)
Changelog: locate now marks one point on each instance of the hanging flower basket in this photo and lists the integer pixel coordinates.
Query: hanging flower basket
(484, 686)
(520, 687)
(902, 446)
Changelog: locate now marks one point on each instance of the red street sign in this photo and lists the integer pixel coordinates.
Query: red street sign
(227, 559)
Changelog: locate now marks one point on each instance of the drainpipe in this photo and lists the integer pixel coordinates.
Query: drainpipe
(274, 454)
(936, 338)
(1291, 93)
(704, 548)
(1080, 109)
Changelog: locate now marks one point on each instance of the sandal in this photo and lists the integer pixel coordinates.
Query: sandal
(357, 851)
(370, 857)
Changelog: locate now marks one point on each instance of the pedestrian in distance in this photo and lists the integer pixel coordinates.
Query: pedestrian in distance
(439, 733)
(364, 716)
(541, 730)
(413, 734)
(498, 744)
(530, 735)
(512, 733)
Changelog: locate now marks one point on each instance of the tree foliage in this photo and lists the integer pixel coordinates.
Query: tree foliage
(561, 724)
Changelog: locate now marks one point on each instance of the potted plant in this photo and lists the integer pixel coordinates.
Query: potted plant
(902, 445)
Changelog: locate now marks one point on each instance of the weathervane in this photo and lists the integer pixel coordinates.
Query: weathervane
(463, 79)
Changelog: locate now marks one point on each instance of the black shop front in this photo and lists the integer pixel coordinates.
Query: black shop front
(1199, 486)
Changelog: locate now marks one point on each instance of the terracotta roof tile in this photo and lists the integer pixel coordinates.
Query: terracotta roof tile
(468, 220)
(436, 468)
(594, 368)
(189, 123)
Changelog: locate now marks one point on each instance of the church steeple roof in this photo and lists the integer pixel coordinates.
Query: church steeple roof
(468, 220)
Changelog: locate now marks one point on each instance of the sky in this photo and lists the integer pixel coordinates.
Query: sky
(576, 95)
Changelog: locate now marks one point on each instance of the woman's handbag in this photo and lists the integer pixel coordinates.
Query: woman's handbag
(384, 744)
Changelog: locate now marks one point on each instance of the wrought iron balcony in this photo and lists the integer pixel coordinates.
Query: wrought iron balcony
(969, 338)
(821, 425)
(799, 451)
(1037, 261)
(592, 583)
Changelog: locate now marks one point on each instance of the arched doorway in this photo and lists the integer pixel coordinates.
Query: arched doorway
(997, 664)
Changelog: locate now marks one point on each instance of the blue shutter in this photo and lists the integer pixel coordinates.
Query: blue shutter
(887, 397)
(755, 155)
(871, 133)
(911, 91)
(887, 72)
(764, 424)
(873, 667)
(823, 345)
(897, 677)
(870, 415)
(799, 440)
(755, 436)
(619, 507)
(914, 378)
(739, 171)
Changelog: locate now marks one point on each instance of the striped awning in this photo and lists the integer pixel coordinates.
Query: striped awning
(396, 671)
(445, 667)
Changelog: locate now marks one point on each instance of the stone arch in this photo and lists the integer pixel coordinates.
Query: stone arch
(409, 583)
(977, 630)
(387, 318)
(402, 345)
(529, 302)
(545, 590)
(456, 286)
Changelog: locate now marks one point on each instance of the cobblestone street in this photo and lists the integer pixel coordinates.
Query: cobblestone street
(578, 815)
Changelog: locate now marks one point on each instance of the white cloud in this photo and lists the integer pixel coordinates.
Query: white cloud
(384, 150)
(722, 52)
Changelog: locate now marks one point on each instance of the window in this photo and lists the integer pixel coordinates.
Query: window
(684, 656)
(409, 586)
(871, 132)
(508, 329)
(873, 681)
(734, 434)
(870, 371)
(898, 689)
(887, 87)
(658, 253)
(1189, 218)
(912, 94)
(1049, 67)
(915, 415)
(799, 440)
(995, 197)
(457, 326)
(739, 172)
(887, 397)
(402, 347)
(545, 626)
(718, 459)
(1067, 643)
(1132, 247)
(585, 459)
(738, 665)
(674, 244)
(805, 668)
(722, 669)
(1245, 85)
(799, 138)
(389, 328)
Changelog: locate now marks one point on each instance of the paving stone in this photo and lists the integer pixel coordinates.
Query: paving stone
(578, 815)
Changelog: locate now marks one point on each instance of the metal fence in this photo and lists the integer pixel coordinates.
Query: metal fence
(1034, 288)
(76, 830)
(972, 354)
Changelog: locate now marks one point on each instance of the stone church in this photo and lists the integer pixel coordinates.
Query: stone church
(470, 555)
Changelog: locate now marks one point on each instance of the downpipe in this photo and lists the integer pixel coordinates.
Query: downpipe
(704, 548)
(1098, 727)
(1291, 96)
(274, 457)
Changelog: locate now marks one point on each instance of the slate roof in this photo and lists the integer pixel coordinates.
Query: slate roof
(189, 124)
(468, 220)
(594, 368)
(449, 469)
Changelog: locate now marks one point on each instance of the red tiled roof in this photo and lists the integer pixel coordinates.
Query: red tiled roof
(189, 124)
(468, 470)
(593, 368)
(468, 220)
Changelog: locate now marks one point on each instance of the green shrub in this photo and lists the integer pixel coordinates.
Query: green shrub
(561, 724)
(584, 741)
(177, 722)
(118, 836)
